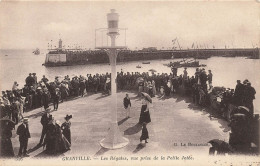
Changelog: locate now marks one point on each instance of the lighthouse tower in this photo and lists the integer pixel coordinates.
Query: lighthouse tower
(114, 138)
(60, 44)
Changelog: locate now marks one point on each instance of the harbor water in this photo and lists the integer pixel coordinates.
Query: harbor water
(17, 64)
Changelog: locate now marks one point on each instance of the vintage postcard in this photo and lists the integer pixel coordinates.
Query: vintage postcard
(129, 83)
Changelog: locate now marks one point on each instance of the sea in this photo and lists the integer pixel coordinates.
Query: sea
(15, 65)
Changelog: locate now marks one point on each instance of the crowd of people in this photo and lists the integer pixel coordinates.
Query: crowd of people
(55, 137)
(36, 94)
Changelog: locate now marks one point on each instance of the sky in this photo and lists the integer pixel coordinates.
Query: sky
(27, 25)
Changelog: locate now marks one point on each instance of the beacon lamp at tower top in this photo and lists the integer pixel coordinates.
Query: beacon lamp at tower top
(112, 20)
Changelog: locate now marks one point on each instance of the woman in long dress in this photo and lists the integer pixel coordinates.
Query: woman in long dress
(50, 138)
(6, 147)
(145, 134)
(61, 143)
(145, 114)
(65, 127)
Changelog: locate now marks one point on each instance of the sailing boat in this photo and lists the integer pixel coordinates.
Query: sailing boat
(36, 51)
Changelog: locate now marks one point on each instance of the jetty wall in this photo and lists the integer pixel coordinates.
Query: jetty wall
(100, 56)
(56, 58)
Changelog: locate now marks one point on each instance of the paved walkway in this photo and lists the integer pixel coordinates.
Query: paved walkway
(173, 121)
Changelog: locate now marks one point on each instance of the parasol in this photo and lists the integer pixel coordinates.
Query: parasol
(148, 97)
(241, 110)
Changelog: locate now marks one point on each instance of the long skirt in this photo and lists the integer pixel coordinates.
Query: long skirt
(67, 135)
(50, 145)
(145, 134)
(62, 144)
(6, 149)
(144, 116)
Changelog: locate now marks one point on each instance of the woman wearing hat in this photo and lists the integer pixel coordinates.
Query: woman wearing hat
(65, 127)
(6, 148)
(145, 114)
(61, 143)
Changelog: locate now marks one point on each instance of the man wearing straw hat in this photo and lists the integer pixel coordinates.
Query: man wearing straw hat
(24, 135)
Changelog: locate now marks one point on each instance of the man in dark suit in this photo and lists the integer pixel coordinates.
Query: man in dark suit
(24, 135)
(127, 105)
(29, 80)
(46, 118)
(249, 97)
(45, 99)
(56, 98)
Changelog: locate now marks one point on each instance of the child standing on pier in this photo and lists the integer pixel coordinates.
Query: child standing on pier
(127, 105)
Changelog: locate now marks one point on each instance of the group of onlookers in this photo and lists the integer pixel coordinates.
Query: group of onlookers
(41, 93)
(36, 94)
(242, 95)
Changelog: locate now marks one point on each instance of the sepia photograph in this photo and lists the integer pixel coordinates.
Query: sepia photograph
(129, 83)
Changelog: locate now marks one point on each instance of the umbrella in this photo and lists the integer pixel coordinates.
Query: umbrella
(152, 70)
(241, 110)
(148, 97)
(221, 146)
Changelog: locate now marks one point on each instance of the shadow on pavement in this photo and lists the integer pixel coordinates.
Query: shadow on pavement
(101, 151)
(37, 114)
(138, 148)
(122, 121)
(102, 96)
(44, 154)
(213, 116)
(133, 130)
(34, 148)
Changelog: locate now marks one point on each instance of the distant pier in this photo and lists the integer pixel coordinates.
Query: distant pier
(81, 57)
